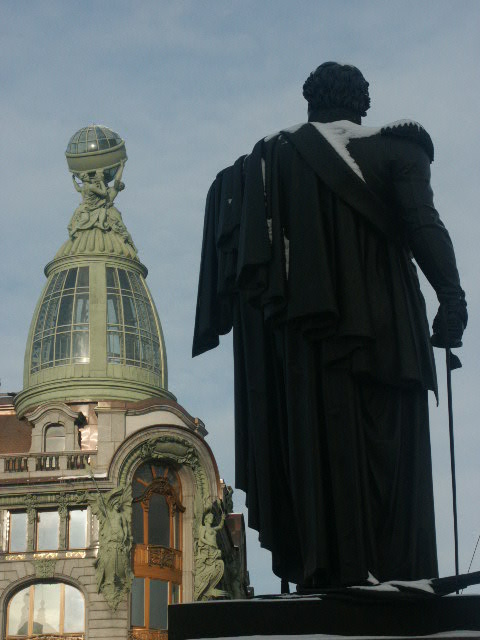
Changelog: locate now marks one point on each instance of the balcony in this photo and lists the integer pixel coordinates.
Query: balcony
(49, 636)
(58, 463)
(147, 634)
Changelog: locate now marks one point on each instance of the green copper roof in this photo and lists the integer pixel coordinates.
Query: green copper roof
(95, 334)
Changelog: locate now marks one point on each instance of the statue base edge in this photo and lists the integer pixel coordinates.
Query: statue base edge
(346, 612)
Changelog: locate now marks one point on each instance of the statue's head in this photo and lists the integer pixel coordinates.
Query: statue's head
(333, 86)
(209, 518)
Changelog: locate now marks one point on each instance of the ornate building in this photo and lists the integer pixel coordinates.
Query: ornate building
(111, 504)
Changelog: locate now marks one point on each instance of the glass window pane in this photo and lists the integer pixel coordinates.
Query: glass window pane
(65, 312)
(62, 347)
(142, 315)
(132, 348)
(55, 438)
(176, 530)
(60, 280)
(77, 529)
(41, 318)
(36, 355)
(158, 604)
(71, 278)
(82, 280)
(18, 611)
(129, 313)
(51, 318)
(124, 281)
(47, 350)
(18, 531)
(83, 136)
(81, 309)
(175, 593)
(158, 521)
(137, 522)
(145, 473)
(147, 351)
(114, 346)
(82, 147)
(80, 346)
(48, 523)
(111, 278)
(113, 311)
(151, 316)
(74, 610)
(103, 143)
(137, 283)
(138, 602)
(51, 285)
(46, 608)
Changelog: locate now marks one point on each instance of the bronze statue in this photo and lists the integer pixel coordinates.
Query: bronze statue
(307, 254)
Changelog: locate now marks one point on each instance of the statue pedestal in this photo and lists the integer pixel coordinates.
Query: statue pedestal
(360, 613)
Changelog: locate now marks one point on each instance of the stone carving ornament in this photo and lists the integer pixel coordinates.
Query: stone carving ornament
(96, 209)
(209, 566)
(113, 572)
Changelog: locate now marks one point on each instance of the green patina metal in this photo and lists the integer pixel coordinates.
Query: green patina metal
(98, 238)
(113, 565)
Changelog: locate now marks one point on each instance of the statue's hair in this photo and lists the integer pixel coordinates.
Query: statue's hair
(333, 85)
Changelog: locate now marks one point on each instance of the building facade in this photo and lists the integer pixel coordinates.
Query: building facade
(111, 504)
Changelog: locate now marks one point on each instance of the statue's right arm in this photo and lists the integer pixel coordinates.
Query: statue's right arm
(428, 238)
(75, 184)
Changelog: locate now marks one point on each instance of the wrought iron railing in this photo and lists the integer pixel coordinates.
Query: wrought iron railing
(154, 555)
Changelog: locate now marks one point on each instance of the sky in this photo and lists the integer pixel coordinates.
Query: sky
(191, 86)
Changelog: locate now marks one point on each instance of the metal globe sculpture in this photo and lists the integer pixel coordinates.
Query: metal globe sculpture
(93, 148)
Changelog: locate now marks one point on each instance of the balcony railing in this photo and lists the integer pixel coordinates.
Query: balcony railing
(147, 634)
(50, 636)
(47, 463)
(153, 555)
(16, 464)
(51, 462)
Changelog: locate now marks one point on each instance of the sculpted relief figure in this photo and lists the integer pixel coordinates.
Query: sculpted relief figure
(307, 254)
(113, 566)
(209, 566)
(97, 209)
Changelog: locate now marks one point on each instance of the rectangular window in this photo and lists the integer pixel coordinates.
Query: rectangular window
(77, 529)
(48, 524)
(158, 604)
(18, 531)
(138, 602)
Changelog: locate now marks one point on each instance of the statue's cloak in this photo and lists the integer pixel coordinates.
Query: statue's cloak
(308, 261)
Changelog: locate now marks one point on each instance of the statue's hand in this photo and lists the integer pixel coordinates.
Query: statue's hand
(449, 324)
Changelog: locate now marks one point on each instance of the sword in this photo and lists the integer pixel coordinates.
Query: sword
(451, 363)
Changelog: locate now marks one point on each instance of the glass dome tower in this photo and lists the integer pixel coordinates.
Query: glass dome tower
(95, 334)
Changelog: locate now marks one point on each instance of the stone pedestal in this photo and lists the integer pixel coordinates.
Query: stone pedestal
(357, 613)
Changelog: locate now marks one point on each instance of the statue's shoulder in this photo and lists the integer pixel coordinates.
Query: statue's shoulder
(410, 130)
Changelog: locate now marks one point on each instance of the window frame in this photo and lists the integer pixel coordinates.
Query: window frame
(140, 551)
(31, 592)
(9, 535)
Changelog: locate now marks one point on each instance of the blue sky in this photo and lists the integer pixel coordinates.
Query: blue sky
(191, 86)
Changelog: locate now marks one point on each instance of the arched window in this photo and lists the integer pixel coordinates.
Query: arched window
(46, 608)
(157, 554)
(55, 438)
